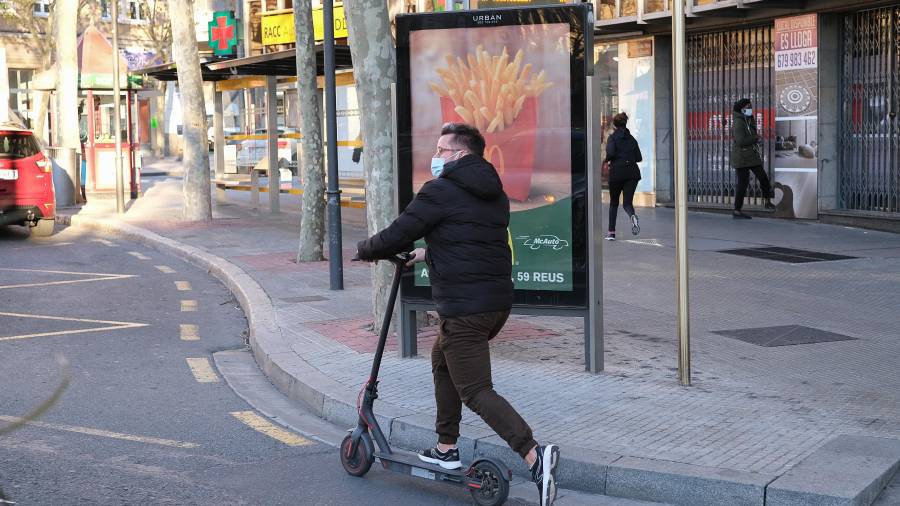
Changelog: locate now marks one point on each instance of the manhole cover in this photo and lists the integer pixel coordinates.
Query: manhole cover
(786, 255)
(305, 298)
(784, 335)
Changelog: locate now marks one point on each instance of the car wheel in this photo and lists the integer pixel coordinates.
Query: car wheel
(43, 228)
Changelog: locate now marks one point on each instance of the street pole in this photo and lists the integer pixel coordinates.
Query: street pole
(117, 103)
(681, 236)
(335, 246)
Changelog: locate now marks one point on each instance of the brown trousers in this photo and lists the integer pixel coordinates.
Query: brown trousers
(461, 365)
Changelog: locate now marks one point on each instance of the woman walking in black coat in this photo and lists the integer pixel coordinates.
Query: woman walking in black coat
(622, 155)
(746, 157)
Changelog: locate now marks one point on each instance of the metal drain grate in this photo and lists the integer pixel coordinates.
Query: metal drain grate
(786, 255)
(783, 335)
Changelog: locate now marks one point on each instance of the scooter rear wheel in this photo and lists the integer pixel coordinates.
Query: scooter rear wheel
(357, 463)
(494, 485)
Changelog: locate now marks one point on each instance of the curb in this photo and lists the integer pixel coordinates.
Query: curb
(583, 470)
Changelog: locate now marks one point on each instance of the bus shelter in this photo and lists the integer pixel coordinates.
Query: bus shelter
(261, 71)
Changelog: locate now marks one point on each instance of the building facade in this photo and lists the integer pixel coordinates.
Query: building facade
(25, 36)
(824, 78)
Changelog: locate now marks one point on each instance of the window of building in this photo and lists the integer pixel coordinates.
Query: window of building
(136, 10)
(19, 98)
(41, 7)
(607, 9)
(656, 5)
(105, 10)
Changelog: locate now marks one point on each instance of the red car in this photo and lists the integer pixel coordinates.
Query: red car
(27, 196)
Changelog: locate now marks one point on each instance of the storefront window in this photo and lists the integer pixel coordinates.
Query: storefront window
(629, 7)
(656, 5)
(606, 9)
(104, 119)
(606, 95)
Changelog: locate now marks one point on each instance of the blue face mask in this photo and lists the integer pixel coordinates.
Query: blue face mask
(748, 112)
(437, 166)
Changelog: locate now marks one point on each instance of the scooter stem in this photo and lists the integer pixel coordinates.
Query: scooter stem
(386, 323)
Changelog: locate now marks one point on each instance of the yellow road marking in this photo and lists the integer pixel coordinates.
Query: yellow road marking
(109, 325)
(104, 242)
(263, 426)
(202, 370)
(98, 276)
(165, 269)
(102, 433)
(138, 255)
(183, 286)
(188, 306)
(190, 332)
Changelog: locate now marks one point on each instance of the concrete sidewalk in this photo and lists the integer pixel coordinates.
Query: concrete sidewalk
(758, 419)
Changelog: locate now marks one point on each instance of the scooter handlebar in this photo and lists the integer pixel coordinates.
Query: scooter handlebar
(399, 258)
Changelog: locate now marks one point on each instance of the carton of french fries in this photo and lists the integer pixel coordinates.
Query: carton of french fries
(497, 96)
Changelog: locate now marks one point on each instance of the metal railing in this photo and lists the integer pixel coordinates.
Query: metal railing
(870, 129)
(722, 68)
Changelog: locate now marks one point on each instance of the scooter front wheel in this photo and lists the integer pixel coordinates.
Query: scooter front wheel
(494, 488)
(358, 462)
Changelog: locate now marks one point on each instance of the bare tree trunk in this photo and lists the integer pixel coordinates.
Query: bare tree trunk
(372, 48)
(67, 66)
(312, 217)
(197, 205)
(159, 114)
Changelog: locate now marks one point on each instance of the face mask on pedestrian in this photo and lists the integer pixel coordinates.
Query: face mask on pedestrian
(748, 112)
(437, 163)
(437, 167)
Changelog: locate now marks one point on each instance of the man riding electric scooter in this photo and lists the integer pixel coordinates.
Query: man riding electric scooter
(463, 214)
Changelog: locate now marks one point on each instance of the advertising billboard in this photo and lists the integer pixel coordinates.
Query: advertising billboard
(796, 142)
(519, 76)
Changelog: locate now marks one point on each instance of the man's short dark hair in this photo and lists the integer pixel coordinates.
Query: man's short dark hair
(465, 136)
(620, 120)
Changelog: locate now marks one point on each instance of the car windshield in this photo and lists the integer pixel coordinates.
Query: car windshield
(15, 145)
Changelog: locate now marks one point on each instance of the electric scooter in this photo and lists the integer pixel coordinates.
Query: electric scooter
(487, 479)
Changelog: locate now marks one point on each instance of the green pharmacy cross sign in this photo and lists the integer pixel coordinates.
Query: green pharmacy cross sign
(223, 33)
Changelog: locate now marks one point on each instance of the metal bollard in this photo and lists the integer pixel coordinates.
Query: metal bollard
(254, 189)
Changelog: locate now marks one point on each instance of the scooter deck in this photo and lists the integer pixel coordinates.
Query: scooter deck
(408, 463)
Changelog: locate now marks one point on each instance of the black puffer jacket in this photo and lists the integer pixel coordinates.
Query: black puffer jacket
(623, 155)
(463, 216)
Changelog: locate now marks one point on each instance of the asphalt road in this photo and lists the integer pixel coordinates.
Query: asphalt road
(136, 426)
(148, 417)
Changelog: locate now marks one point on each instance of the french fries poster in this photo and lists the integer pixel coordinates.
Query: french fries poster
(513, 83)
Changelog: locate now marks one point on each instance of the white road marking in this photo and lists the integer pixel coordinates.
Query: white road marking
(103, 433)
(96, 276)
(108, 325)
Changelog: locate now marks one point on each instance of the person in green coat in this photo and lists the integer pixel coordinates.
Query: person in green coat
(746, 156)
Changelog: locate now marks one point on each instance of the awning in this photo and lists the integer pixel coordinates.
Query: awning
(280, 63)
(168, 72)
